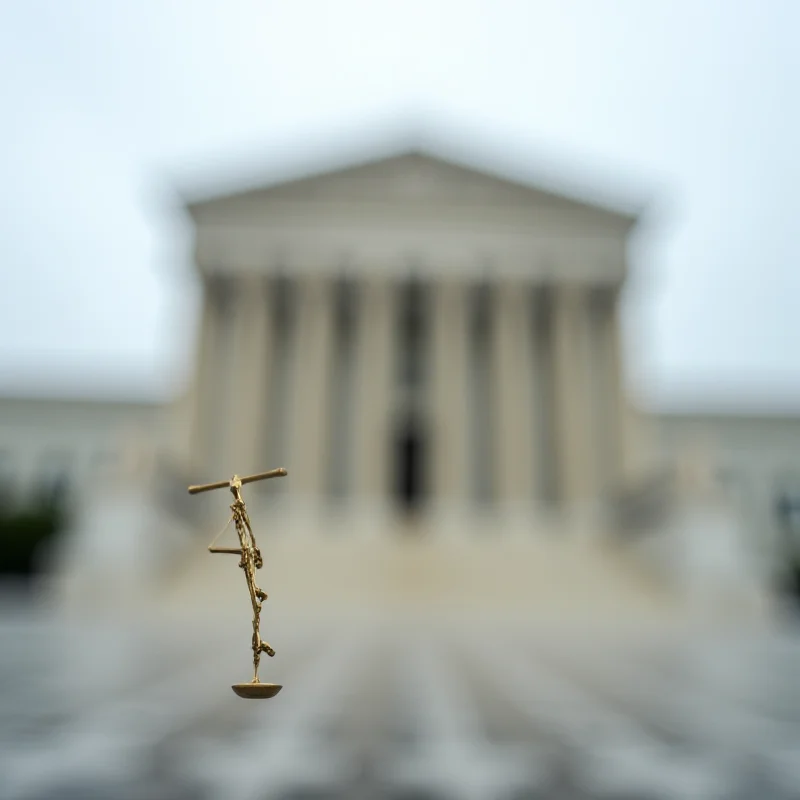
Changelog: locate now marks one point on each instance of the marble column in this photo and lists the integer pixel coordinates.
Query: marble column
(607, 431)
(310, 395)
(630, 442)
(449, 396)
(513, 411)
(575, 457)
(249, 355)
(373, 392)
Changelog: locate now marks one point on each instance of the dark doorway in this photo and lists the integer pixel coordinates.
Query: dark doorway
(409, 466)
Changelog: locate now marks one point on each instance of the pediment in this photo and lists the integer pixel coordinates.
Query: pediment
(408, 179)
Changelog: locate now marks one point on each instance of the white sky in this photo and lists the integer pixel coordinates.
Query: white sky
(109, 105)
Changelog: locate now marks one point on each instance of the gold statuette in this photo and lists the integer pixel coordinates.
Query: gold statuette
(250, 561)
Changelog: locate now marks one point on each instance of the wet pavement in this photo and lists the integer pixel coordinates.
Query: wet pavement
(116, 709)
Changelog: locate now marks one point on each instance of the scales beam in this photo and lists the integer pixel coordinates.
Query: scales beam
(280, 472)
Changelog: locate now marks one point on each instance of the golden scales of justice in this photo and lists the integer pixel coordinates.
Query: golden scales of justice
(250, 561)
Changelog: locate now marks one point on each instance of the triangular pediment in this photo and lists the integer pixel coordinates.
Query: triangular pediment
(410, 178)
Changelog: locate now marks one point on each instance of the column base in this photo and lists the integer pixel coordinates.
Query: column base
(370, 518)
(449, 520)
(518, 518)
(583, 519)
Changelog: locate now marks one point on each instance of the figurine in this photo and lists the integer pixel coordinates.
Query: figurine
(250, 561)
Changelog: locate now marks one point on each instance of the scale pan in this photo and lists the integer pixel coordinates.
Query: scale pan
(256, 691)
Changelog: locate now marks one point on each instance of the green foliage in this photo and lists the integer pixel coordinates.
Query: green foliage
(25, 530)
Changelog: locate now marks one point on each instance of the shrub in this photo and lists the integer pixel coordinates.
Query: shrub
(25, 530)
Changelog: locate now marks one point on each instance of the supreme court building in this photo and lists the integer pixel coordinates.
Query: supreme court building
(414, 338)
(433, 352)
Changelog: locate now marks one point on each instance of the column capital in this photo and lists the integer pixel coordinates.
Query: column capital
(571, 290)
(377, 286)
(219, 291)
(604, 298)
(246, 290)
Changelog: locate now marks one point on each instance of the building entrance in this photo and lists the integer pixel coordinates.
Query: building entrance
(410, 455)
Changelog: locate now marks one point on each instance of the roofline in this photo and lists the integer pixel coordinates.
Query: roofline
(723, 413)
(289, 166)
(727, 399)
(66, 399)
(674, 412)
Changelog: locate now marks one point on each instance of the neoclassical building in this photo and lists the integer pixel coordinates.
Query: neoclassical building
(416, 338)
(433, 352)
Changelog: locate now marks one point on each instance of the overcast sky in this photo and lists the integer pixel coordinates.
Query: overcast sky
(112, 104)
